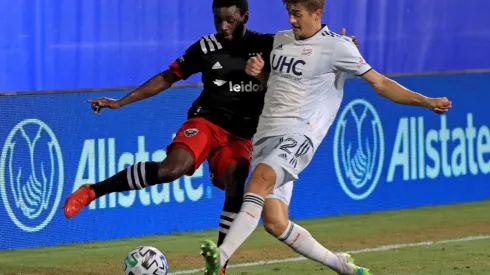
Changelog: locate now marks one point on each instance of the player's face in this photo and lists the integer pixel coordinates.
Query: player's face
(304, 22)
(229, 22)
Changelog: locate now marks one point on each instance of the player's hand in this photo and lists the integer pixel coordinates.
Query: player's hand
(255, 65)
(439, 105)
(353, 38)
(101, 103)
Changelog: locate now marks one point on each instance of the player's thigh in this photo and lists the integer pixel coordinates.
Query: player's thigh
(287, 155)
(195, 136)
(283, 193)
(229, 166)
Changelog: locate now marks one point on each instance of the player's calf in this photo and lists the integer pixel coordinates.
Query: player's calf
(232, 177)
(230, 211)
(135, 177)
(275, 217)
(276, 223)
(301, 241)
(260, 184)
(230, 174)
(144, 174)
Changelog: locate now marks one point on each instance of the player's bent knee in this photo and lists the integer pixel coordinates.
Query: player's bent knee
(234, 179)
(178, 163)
(169, 174)
(262, 180)
(275, 226)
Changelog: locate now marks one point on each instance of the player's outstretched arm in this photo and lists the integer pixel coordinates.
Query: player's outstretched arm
(395, 92)
(151, 87)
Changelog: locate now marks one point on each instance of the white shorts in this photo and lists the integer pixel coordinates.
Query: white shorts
(283, 193)
(288, 155)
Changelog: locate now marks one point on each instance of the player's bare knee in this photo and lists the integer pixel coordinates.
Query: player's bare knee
(177, 164)
(275, 225)
(262, 180)
(169, 173)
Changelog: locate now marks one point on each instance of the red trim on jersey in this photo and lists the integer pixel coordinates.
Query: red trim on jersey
(175, 66)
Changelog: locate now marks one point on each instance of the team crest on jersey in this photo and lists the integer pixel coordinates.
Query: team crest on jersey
(191, 132)
(307, 51)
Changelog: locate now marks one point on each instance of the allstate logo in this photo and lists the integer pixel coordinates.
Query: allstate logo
(359, 149)
(31, 175)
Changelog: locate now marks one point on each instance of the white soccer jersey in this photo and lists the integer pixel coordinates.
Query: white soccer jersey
(306, 83)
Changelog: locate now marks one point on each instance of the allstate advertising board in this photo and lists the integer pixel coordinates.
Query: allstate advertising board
(376, 156)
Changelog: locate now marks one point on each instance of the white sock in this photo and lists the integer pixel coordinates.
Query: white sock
(244, 224)
(301, 241)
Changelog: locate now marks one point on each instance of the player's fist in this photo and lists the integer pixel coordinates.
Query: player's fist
(440, 105)
(255, 65)
(99, 103)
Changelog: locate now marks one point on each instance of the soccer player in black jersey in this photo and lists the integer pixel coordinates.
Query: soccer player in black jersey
(221, 122)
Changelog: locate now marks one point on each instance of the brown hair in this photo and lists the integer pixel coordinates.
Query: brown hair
(310, 5)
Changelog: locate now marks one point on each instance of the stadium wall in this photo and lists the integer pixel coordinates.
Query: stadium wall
(59, 45)
(376, 156)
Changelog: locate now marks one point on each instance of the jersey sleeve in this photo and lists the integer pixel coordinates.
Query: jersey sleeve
(347, 58)
(268, 43)
(189, 63)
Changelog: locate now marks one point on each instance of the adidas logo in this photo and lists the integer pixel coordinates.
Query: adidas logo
(279, 47)
(217, 66)
(283, 156)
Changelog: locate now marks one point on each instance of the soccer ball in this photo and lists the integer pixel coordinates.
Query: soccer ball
(145, 260)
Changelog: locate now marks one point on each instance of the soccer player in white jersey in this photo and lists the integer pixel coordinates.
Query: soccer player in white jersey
(309, 65)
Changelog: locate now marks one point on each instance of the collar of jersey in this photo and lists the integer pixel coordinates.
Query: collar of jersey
(317, 34)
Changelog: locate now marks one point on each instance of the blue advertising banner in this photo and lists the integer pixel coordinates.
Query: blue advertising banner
(377, 156)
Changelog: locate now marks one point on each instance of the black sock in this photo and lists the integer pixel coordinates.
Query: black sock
(136, 177)
(230, 209)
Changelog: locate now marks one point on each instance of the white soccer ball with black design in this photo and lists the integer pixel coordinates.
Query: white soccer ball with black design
(145, 260)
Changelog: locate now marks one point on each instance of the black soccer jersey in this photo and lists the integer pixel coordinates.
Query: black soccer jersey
(230, 99)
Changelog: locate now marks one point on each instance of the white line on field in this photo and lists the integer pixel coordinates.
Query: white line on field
(365, 250)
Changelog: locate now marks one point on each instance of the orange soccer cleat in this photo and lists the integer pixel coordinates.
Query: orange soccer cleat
(78, 200)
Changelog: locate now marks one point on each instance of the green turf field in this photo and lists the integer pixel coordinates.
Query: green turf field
(346, 233)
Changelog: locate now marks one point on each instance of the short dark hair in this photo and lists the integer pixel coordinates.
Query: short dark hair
(310, 5)
(241, 4)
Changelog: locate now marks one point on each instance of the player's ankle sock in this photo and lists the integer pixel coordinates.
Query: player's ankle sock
(136, 177)
(301, 241)
(244, 224)
(230, 209)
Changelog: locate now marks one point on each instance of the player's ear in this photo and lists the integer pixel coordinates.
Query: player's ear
(318, 14)
(245, 17)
